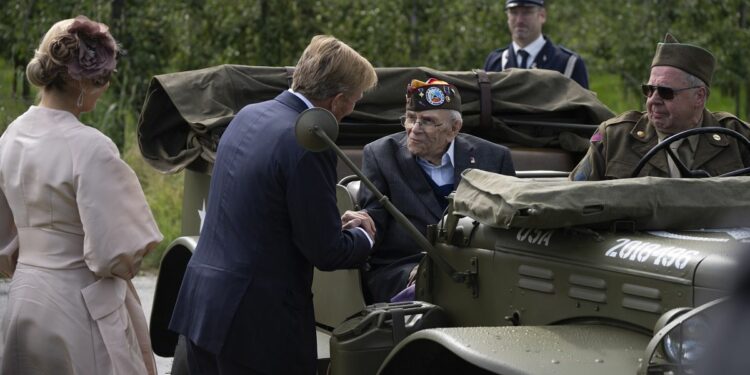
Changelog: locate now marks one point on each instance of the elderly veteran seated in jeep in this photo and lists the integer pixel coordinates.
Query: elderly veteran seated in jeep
(676, 96)
(417, 169)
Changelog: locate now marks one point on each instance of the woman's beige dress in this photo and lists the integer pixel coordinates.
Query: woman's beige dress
(74, 227)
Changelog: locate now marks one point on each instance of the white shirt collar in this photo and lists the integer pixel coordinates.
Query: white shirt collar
(442, 174)
(533, 49)
(447, 157)
(302, 97)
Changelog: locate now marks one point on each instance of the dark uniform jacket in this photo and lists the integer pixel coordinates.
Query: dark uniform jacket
(271, 216)
(395, 172)
(551, 57)
(619, 144)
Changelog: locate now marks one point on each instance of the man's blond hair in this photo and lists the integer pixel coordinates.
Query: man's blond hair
(328, 67)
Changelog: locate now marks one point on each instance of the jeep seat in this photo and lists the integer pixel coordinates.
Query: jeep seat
(337, 295)
(524, 159)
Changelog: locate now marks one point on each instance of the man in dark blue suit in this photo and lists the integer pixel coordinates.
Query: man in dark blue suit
(245, 304)
(530, 48)
(417, 169)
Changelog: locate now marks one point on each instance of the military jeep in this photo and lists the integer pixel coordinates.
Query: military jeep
(510, 285)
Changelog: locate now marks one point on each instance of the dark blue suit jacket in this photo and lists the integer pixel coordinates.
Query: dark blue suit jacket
(551, 57)
(271, 216)
(393, 169)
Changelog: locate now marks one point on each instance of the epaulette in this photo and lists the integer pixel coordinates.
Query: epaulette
(566, 50)
(722, 116)
(628, 117)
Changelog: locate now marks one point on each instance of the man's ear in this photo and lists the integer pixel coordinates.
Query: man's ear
(456, 127)
(702, 96)
(337, 100)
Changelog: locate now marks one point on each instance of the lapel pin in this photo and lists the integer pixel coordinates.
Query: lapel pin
(471, 160)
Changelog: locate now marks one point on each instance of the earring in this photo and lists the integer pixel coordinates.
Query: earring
(79, 103)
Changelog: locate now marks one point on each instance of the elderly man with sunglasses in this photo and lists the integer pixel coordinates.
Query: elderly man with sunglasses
(417, 169)
(676, 95)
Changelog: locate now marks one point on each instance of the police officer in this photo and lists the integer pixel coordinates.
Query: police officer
(676, 96)
(530, 48)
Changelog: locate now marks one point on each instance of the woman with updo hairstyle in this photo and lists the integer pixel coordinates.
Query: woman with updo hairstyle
(74, 223)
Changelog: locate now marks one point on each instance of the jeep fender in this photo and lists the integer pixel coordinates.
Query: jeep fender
(564, 349)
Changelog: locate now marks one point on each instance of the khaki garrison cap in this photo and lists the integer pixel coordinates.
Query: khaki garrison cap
(687, 57)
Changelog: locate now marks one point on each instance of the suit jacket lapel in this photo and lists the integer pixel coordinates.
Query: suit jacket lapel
(416, 179)
(511, 63)
(463, 158)
(544, 55)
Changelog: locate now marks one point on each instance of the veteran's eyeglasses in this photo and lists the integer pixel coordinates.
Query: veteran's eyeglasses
(666, 93)
(426, 123)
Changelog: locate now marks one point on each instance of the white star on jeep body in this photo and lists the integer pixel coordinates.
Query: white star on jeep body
(202, 215)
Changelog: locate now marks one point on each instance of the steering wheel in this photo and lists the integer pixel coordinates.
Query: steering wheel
(684, 170)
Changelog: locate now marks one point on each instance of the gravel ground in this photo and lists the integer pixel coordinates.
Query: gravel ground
(144, 283)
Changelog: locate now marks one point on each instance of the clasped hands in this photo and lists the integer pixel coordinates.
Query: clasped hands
(353, 219)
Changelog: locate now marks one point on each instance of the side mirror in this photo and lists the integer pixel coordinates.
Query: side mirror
(308, 123)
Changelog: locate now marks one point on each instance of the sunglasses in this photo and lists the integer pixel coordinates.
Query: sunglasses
(666, 93)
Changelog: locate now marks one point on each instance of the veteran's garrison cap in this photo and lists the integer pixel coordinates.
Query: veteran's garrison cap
(433, 94)
(687, 57)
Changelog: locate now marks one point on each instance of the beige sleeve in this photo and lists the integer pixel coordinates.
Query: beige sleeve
(119, 229)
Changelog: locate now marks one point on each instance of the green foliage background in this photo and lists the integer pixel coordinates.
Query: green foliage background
(615, 37)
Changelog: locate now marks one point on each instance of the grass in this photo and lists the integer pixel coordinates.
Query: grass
(164, 192)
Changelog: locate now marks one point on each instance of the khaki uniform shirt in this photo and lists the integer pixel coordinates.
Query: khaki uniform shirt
(619, 143)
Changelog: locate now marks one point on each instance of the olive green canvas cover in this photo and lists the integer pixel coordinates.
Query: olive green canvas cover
(649, 203)
(185, 113)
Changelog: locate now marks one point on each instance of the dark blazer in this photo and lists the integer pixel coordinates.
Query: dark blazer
(395, 172)
(551, 57)
(271, 216)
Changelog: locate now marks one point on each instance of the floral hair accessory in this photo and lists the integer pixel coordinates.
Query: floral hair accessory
(88, 50)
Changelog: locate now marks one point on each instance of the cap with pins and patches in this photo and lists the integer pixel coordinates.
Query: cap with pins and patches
(432, 94)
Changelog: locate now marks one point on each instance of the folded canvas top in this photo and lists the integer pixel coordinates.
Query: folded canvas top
(649, 203)
(185, 113)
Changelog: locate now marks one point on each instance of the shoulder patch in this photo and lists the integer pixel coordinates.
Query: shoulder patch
(597, 137)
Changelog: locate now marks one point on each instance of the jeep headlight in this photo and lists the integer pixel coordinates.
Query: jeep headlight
(687, 342)
(681, 339)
